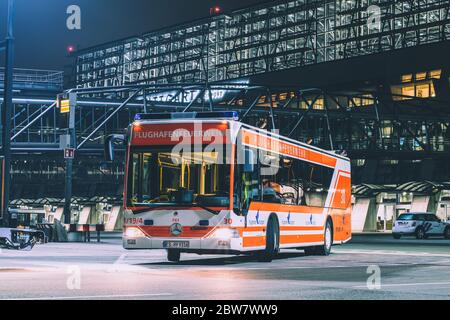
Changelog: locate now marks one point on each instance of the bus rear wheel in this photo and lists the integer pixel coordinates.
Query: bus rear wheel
(173, 255)
(272, 242)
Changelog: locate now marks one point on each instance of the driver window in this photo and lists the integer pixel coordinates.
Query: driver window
(247, 186)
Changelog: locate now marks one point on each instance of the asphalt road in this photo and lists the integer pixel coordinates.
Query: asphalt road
(408, 270)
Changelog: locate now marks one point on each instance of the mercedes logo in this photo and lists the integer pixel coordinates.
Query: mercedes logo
(176, 229)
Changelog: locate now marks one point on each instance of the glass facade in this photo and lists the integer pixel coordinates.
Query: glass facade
(265, 38)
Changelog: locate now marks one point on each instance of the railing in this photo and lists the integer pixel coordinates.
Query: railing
(35, 79)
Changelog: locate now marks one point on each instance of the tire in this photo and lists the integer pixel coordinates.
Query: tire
(325, 249)
(396, 236)
(447, 233)
(173, 255)
(272, 242)
(420, 233)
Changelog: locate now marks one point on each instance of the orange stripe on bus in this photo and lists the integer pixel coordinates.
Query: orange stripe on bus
(295, 228)
(254, 242)
(284, 239)
(277, 207)
(289, 239)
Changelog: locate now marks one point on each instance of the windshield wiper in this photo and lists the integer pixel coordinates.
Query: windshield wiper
(163, 205)
(214, 212)
(155, 205)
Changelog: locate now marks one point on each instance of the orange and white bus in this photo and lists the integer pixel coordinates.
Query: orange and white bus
(206, 183)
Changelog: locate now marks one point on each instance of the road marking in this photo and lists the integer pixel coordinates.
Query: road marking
(393, 253)
(409, 284)
(115, 267)
(227, 268)
(96, 297)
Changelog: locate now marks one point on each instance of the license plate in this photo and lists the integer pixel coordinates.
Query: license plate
(176, 244)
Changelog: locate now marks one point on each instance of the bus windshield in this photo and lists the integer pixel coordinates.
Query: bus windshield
(158, 177)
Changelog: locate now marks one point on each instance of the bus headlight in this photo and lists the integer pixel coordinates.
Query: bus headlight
(225, 233)
(133, 233)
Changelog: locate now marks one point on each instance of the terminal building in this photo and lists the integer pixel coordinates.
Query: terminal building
(368, 78)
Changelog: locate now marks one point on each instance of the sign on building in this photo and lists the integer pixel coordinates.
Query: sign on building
(66, 102)
(69, 153)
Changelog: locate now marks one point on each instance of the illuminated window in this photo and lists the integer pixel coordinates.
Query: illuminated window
(358, 162)
(407, 78)
(408, 91)
(421, 76)
(387, 129)
(423, 91)
(435, 74)
(319, 105)
(365, 100)
(283, 96)
(420, 90)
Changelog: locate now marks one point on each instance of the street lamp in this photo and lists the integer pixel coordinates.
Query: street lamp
(6, 119)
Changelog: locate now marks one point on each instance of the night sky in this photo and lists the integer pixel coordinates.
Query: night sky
(42, 37)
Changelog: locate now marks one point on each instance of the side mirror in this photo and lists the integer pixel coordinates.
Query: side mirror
(249, 161)
(110, 142)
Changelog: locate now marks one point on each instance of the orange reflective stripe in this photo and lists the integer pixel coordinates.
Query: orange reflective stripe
(307, 228)
(289, 239)
(277, 207)
(254, 242)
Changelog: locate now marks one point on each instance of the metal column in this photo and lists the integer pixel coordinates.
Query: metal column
(69, 161)
(6, 119)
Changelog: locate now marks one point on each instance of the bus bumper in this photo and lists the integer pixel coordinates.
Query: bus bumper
(183, 244)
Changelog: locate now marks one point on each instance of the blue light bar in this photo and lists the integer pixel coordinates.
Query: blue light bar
(220, 115)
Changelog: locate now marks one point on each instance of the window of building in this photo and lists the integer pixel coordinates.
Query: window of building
(319, 104)
(407, 78)
(423, 91)
(435, 74)
(358, 162)
(363, 101)
(408, 91)
(387, 129)
(415, 90)
(421, 76)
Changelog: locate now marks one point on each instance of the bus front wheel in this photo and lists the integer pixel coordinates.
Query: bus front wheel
(325, 249)
(272, 242)
(173, 255)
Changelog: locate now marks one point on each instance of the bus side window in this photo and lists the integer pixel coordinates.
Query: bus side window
(317, 184)
(297, 182)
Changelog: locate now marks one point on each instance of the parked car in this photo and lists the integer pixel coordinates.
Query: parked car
(421, 225)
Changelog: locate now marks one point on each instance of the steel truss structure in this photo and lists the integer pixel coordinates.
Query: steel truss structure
(262, 39)
(400, 137)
